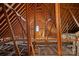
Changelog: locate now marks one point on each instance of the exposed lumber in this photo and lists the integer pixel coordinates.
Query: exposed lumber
(6, 27)
(11, 22)
(74, 18)
(34, 29)
(72, 27)
(11, 31)
(18, 18)
(6, 32)
(30, 45)
(21, 8)
(63, 16)
(13, 15)
(66, 19)
(14, 10)
(43, 15)
(70, 7)
(44, 29)
(58, 25)
(7, 10)
(64, 25)
(28, 40)
(71, 23)
(6, 23)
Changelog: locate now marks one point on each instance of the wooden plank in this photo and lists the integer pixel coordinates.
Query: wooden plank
(11, 31)
(19, 18)
(15, 11)
(6, 11)
(74, 18)
(28, 40)
(6, 23)
(6, 28)
(58, 25)
(30, 45)
(12, 16)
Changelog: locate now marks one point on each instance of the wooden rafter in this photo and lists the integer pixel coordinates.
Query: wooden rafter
(15, 11)
(6, 29)
(13, 15)
(11, 31)
(74, 18)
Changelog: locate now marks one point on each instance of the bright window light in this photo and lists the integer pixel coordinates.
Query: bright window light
(37, 28)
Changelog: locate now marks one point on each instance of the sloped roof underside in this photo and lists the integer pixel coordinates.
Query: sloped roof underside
(67, 22)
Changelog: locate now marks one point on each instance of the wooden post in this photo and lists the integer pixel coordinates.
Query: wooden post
(58, 25)
(11, 31)
(30, 45)
(27, 29)
(34, 24)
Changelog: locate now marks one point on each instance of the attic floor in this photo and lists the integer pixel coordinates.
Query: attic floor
(41, 50)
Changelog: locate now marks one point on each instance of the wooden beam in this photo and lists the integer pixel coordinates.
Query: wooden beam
(74, 18)
(19, 18)
(13, 14)
(5, 31)
(34, 29)
(28, 38)
(15, 11)
(30, 45)
(65, 21)
(11, 31)
(7, 26)
(58, 25)
(6, 23)
(7, 11)
(70, 7)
